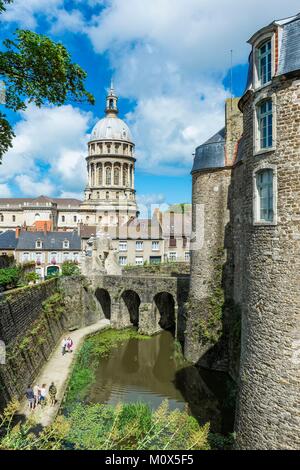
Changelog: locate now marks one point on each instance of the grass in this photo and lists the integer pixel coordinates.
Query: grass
(93, 349)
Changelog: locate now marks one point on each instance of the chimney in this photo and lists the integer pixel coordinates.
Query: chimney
(18, 231)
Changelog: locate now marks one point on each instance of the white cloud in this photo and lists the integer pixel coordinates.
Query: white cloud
(170, 57)
(5, 190)
(30, 187)
(68, 20)
(148, 199)
(49, 141)
(25, 12)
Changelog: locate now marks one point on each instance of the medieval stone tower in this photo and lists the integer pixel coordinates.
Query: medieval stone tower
(109, 197)
(252, 217)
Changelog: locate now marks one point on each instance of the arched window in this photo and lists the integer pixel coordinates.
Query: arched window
(108, 176)
(264, 62)
(125, 175)
(100, 175)
(116, 176)
(107, 195)
(37, 216)
(1, 217)
(92, 175)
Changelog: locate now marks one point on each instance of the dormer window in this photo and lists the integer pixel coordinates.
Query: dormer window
(38, 244)
(264, 71)
(264, 60)
(66, 244)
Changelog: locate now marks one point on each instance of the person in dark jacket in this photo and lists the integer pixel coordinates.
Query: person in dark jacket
(52, 394)
(30, 397)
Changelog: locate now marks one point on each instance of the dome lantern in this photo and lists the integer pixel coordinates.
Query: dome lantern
(111, 102)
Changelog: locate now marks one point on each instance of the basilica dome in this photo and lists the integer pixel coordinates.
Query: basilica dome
(111, 128)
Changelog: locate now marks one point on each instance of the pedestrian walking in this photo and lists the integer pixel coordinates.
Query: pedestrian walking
(70, 344)
(63, 346)
(43, 395)
(30, 397)
(52, 394)
(36, 393)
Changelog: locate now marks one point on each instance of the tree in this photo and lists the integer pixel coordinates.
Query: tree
(33, 68)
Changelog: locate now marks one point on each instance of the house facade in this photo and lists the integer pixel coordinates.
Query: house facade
(49, 250)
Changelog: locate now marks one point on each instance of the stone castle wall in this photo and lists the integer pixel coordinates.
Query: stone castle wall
(267, 281)
(208, 268)
(33, 319)
(20, 307)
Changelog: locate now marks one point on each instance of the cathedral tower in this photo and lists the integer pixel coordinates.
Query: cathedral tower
(109, 196)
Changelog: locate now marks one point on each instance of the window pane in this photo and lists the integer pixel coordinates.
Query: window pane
(264, 182)
(265, 63)
(265, 124)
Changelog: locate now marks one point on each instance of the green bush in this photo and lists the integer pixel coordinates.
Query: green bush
(101, 427)
(9, 277)
(70, 268)
(31, 277)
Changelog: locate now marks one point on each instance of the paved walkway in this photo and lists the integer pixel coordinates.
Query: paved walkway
(57, 370)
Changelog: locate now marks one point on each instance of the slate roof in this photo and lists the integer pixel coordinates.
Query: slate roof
(61, 202)
(51, 241)
(8, 240)
(211, 154)
(289, 59)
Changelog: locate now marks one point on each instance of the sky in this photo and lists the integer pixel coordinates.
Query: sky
(170, 62)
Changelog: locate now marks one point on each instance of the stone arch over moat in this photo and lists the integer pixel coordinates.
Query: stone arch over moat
(129, 307)
(150, 303)
(103, 298)
(164, 308)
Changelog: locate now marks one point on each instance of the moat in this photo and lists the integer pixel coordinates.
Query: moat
(153, 370)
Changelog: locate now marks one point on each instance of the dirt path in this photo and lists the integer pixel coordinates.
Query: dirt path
(58, 370)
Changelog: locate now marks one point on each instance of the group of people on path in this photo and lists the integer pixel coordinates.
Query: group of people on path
(38, 395)
(66, 345)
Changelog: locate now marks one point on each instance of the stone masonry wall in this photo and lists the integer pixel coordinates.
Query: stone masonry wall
(208, 270)
(267, 282)
(33, 319)
(20, 307)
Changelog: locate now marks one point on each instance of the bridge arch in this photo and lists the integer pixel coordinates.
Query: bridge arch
(104, 300)
(164, 303)
(130, 305)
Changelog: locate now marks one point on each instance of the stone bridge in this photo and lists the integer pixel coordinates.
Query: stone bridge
(151, 303)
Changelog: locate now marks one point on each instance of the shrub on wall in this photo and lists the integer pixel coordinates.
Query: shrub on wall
(70, 268)
(9, 277)
(31, 277)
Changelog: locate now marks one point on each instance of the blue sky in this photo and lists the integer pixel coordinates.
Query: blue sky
(170, 60)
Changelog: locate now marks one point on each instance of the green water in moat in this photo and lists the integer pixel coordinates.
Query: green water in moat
(150, 371)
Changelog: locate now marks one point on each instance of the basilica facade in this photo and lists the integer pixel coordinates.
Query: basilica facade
(109, 202)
